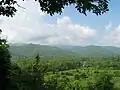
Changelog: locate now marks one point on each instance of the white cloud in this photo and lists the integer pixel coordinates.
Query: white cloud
(70, 33)
(29, 26)
(107, 27)
(64, 21)
(112, 38)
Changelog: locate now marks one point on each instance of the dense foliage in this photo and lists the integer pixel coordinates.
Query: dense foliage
(4, 64)
(56, 6)
(7, 7)
(82, 74)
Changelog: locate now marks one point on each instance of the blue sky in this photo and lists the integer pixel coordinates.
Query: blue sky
(71, 28)
(91, 19)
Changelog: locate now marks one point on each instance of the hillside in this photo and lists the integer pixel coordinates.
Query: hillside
(93, 50)
(31, 50)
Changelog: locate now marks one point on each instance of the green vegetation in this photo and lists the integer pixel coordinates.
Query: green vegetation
(83, 74)
(4, 64)
(67, 73)
(68, 52)
(56, 73)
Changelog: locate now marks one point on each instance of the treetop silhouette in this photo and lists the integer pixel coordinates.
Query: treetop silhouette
(99, 7)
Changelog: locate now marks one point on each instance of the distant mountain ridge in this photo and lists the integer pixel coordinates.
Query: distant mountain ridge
(30, 50)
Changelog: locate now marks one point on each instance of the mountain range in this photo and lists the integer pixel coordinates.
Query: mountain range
(30, 50)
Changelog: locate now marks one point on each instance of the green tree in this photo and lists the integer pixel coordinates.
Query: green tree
(4, 64)
(76, 85)
(37, 59)
(7, 7)
(51, 82)
(24, 78)
(103, 82)
(56, 6)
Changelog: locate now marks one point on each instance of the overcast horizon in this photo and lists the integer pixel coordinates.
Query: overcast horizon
(31, 25)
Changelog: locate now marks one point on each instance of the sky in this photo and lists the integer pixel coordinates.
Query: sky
(31, 25)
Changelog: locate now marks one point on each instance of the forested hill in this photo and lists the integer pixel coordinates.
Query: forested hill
(30, 50)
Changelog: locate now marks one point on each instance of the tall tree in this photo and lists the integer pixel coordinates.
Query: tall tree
(4, 64)
(37, 59)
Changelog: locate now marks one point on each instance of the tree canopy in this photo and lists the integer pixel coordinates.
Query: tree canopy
(99, 7)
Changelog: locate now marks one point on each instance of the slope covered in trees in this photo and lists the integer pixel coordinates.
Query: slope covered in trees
(63, 51)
